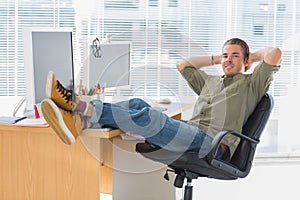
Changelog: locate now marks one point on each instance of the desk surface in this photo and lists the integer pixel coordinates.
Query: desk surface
(173, 110)
(49, 130)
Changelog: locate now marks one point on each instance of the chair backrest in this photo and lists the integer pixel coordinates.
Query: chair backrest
(253, 128)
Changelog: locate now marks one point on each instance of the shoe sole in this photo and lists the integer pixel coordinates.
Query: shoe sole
(49, 84)
(54, 118)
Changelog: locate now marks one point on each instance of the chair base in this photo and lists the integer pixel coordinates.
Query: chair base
(179, 180)
(188, 191)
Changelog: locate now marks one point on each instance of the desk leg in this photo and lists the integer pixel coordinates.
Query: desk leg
(106, 166)
(101, 149)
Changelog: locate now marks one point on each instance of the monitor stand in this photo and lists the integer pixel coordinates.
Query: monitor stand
(26, 113)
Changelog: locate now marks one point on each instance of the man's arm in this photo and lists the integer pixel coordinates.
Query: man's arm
(198, 62)
(271, 56)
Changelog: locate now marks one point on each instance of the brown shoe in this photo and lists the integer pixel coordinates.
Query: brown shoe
(65, 125)
(64, 98)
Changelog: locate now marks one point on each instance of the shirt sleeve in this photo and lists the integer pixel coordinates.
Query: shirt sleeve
(195, 78)
(262, 77)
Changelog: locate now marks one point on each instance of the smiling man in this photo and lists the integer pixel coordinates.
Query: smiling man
(225, 102)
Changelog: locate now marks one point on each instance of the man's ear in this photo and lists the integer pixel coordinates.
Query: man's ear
(247, 65)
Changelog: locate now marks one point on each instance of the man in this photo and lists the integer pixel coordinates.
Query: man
(224, 103)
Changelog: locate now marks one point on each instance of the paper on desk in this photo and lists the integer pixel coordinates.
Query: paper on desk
(40, 122)
(10, 119)
(132, 137)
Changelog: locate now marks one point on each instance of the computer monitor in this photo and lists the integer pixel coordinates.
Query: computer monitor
(46, 49)
(111, 68)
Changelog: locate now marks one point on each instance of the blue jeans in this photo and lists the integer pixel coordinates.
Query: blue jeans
(138, 117)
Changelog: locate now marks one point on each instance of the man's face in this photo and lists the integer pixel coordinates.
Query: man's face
(233, 61)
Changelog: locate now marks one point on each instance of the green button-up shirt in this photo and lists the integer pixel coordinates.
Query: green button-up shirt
(225, 103)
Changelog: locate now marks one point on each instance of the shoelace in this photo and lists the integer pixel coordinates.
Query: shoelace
(66, 93)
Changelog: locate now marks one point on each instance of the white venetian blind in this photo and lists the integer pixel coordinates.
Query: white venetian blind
(161, 33)
(15, 15)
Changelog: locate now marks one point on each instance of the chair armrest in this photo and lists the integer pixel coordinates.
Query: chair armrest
(218, 139)
(221, 164)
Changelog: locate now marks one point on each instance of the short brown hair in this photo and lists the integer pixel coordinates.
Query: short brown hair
(244, 46)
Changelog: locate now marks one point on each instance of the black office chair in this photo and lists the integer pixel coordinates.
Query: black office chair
(188, 165)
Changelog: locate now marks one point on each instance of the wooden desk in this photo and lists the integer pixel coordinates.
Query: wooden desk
(36, 165)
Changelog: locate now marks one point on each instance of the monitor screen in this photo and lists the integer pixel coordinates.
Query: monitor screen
(111, 67)
(44, 50)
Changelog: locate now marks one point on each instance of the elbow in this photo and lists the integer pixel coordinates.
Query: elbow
(276, 52)
(180, 65)
(274, 56)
